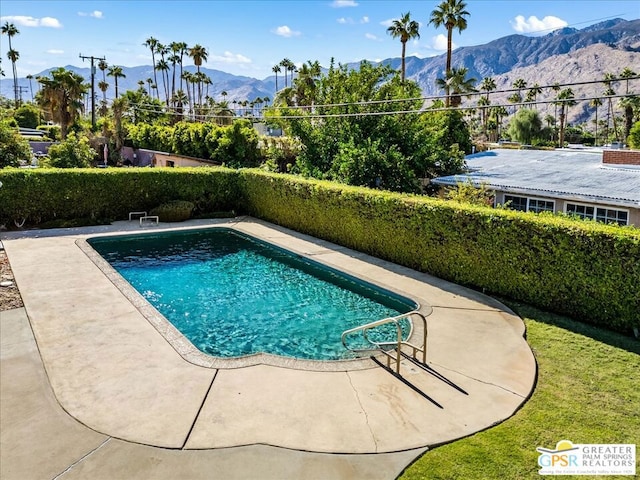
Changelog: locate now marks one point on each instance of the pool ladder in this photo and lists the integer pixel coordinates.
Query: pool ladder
(395, 354)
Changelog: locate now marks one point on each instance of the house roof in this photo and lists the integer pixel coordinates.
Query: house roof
(577, 175)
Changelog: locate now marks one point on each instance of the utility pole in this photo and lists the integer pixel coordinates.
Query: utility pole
(20, 90)
(93, 87)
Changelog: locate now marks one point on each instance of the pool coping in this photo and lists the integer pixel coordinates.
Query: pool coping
(190, 353)
(112, 372)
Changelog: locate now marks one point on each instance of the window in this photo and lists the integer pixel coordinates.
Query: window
(540, 205)
(608, 215)
(582, 211)
(600, 214)
(525, 204)
(516, 203)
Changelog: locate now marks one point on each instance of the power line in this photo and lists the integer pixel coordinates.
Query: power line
(169, 110)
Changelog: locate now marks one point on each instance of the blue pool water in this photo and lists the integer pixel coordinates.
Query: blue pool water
(232, 295)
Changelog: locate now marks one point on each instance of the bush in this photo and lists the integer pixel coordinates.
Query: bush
(584, 269)
(27, 115)
(52, 131)
(73, 152)
(175, 211)
(634, 136)
(13, 147)
(41, 195)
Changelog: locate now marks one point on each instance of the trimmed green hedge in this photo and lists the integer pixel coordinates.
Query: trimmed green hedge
(47, 194)
(586, 270)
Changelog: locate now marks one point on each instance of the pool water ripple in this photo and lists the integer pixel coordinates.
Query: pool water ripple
(232, 295)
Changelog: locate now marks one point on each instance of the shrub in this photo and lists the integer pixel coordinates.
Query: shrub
(53, 131)
(634, 136)
(73, 152)
(27, 115)
(175, 211)
(41, 195)
(13, 147)
(584, 269)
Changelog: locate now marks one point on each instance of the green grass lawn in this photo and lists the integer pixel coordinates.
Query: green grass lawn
(588, 391)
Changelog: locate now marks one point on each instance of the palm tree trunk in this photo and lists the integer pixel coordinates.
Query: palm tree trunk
(449, 44)
(404, 47)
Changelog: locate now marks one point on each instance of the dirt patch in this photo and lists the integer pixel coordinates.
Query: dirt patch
(9, 295)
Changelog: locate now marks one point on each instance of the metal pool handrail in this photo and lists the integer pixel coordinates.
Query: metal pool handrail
(397, 344)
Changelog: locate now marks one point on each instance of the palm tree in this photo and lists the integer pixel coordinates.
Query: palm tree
(565, 100)
(609, 78)
(285, 62)
(179, 99)
(305, 84)
(533, 93)
(516, 97)
(103, 86)
(289, 67)
(456, 83)
(487, 85)
(30, 77)
(152, 43)
(498, 113)
(116, 72)
(199, 55)
(628, 105)
(405, 29)
(276, 69)
(628, 102)
(595, 103)
(176, 57)
(223, 114)
(9, 29)
(626, 74)
(62, 96)
(450, 14)
(163, 67)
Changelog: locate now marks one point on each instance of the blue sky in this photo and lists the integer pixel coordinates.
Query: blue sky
(248, 37)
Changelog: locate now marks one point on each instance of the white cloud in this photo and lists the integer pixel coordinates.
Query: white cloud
(387, 23)
(370, 36)
(27, 21)
(344, 21)
(285, 31)
(94, 14)
(534, 25)
(364, 19)
(344, 3)
(439, 42)
(54, 51)
(228, 57)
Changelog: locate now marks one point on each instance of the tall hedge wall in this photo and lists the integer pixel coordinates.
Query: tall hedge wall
(43, 195)
(586, 270)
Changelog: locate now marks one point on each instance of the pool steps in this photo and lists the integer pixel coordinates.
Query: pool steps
(395, 354)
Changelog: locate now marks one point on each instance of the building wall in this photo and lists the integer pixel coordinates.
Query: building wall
(621, 157)
(170, 160)
(560, 205)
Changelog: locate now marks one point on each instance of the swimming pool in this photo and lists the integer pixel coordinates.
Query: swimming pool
(233, 295)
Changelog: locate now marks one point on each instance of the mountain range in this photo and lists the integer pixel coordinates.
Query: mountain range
(562, 56)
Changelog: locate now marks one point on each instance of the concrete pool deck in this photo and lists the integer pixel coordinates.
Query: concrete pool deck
(88, 372)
